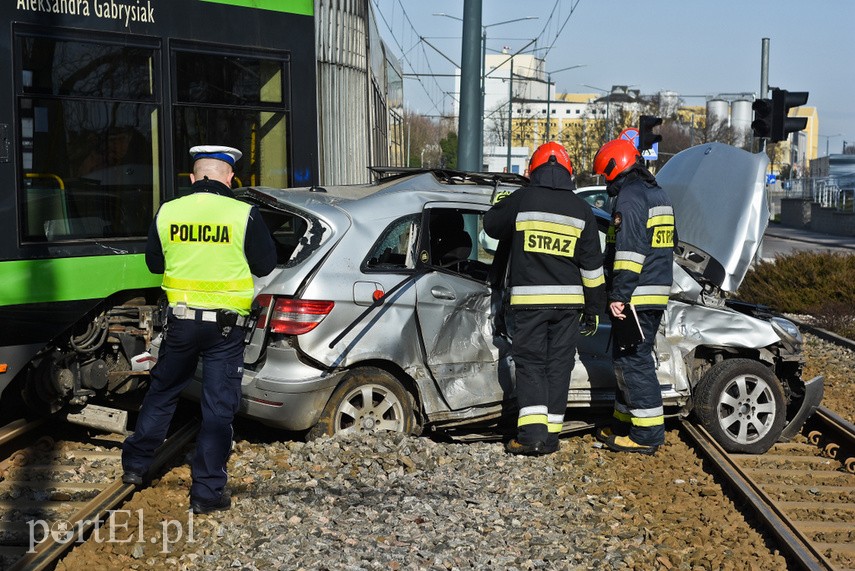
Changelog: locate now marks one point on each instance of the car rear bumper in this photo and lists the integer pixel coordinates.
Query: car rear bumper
(284, 393)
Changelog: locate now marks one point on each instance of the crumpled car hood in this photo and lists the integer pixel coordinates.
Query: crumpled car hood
(719, 197)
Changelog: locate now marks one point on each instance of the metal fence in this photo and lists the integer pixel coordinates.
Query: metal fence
(829, 191)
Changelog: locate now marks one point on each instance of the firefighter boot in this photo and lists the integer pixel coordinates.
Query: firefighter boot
(607, 430)
(626, 444)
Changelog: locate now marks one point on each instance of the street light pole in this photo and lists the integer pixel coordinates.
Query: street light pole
(510, 111)
(827, 137)
(468, 21)
(549, 94)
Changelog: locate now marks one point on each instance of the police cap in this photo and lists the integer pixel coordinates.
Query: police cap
(227, 154)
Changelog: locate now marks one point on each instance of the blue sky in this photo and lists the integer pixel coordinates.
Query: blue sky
(688, 46)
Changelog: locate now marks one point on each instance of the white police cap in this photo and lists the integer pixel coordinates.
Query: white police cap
(227, 154)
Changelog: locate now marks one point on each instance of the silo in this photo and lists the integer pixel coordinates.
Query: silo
(740, 114)
(717, 111)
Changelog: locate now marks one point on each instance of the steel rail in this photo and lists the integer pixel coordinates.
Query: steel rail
(49, 551)
(791, 540)
(834, 434)
(17, 429)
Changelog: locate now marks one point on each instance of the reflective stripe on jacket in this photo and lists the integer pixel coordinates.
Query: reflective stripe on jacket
(202, 236)
(640, 244)
(556, 258)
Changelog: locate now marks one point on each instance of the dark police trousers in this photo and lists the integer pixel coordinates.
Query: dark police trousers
(544, 352)
(638, 398)
(222, 370)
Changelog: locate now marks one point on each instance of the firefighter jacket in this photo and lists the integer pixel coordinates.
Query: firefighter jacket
(207, 245)
(556, 258)
(640, 242)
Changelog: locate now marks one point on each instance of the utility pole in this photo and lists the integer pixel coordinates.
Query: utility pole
(764, 79)
(469, 127)
(764, 91)
(548, 101)
(510, 110)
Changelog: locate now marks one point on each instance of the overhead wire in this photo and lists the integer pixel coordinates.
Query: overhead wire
(405, 52)
(554, 14)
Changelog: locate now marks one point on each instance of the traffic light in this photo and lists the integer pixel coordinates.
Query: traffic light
(782, 102)
(762, 124)
(646, 137)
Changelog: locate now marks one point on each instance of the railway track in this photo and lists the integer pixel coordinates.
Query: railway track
(55, 493)
(803, 491)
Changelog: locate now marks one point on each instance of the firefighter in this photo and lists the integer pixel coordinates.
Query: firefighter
(639, 256)
(207, 245)
(556, 284)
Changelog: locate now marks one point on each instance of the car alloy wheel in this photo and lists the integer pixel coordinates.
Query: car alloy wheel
(367, 401)
(741, 404)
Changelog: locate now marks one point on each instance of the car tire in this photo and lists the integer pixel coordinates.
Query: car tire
(742, 405)
(368, 400)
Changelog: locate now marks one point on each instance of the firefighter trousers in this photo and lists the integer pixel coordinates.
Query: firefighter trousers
(184, 342)
(544, 352)
(638, 399)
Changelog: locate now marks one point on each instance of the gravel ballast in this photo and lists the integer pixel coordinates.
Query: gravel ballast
(399, 502)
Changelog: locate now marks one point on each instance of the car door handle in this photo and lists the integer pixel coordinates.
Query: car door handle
(440, 292)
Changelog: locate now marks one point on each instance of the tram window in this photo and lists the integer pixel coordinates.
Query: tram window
(228, 80)
(89, 139)
(255, 118)
(261, 136)
(88, 69)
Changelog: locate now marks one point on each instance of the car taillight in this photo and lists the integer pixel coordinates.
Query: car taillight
(292, 316)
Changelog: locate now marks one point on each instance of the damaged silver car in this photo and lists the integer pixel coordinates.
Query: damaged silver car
(386, 312)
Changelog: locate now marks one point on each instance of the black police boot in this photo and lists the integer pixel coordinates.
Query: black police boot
(135, 478)
(223, 503)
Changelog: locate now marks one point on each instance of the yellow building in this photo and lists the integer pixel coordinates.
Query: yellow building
(811, 131)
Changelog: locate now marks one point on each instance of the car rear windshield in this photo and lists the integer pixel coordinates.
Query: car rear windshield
(296, 236)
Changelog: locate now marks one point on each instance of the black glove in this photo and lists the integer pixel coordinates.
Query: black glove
(588, 324)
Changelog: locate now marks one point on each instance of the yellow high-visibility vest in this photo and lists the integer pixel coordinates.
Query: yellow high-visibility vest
(202, 236)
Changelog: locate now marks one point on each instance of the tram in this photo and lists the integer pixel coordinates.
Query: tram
(100, 103)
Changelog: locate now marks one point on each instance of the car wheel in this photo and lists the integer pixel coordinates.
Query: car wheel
(742, 405)
(367, 401)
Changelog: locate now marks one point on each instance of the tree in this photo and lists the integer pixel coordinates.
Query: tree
(423, 132)
(448, 159)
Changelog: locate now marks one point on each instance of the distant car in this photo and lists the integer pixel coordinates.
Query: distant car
(596, 196)
(387, 313)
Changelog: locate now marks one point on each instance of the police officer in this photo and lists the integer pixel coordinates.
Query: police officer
(207, 245)
(556, 280)
(639, 256)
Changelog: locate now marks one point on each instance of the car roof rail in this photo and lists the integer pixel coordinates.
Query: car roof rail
(448, 176)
